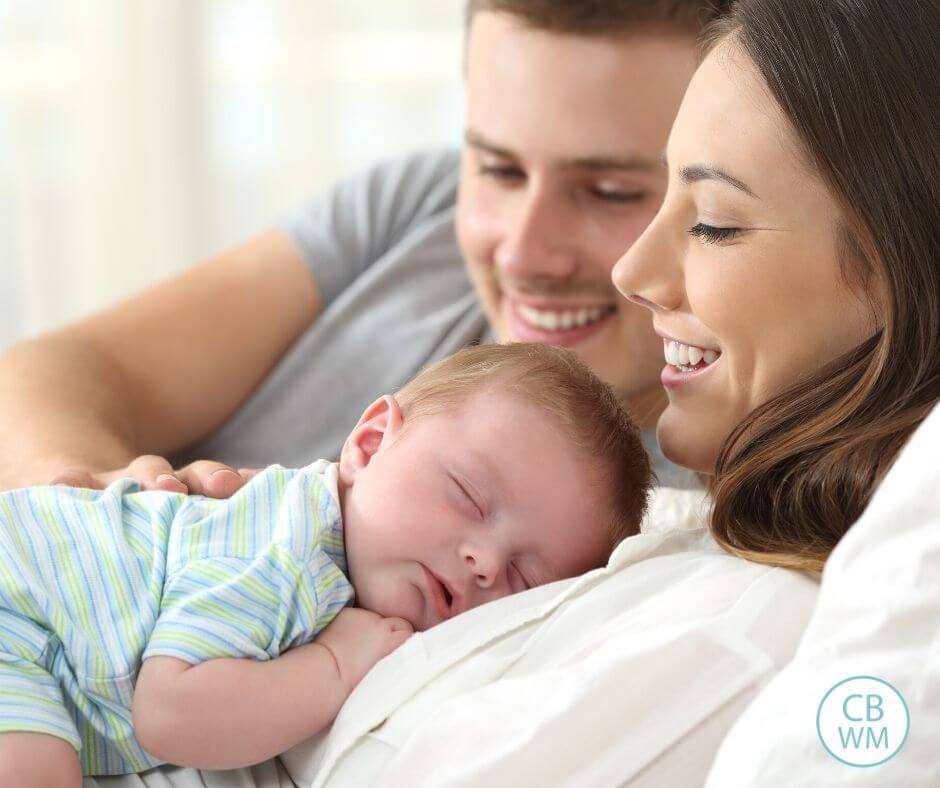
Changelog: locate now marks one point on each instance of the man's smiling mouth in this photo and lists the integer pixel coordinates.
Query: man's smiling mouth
(563, 320)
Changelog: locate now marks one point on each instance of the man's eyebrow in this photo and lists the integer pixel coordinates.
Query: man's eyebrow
(702, 172)
(476, 140)
(634, 163)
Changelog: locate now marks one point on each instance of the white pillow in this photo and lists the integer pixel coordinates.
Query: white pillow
(878, 615)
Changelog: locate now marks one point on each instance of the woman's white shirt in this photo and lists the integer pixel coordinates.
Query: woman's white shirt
(631, 674)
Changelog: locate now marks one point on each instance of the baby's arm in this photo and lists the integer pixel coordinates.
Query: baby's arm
(227, 713)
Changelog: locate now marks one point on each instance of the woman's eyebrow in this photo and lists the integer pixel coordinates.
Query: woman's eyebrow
(702, 172)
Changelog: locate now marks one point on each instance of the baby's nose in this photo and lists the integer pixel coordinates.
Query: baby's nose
(485, 565)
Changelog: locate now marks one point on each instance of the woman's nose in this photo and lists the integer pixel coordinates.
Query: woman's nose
(650, 271)
(536, 241)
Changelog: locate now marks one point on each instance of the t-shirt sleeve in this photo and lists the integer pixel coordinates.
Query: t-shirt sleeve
(254, 574)
(236, 607)
(342, 231)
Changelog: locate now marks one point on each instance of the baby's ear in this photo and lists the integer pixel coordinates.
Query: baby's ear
(378, 426)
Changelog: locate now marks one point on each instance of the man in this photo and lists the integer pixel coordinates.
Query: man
(568, 108)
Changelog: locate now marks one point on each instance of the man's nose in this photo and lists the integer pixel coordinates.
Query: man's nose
(537, 237)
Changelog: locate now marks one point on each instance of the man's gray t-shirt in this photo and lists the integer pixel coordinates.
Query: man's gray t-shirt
(395, 298)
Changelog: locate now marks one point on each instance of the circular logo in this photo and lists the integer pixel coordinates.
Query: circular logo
(863, 721)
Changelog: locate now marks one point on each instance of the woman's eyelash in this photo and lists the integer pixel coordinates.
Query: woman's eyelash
(525, 582)
(713, 235)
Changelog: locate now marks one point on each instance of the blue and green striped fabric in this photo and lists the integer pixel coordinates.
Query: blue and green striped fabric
(94, 581)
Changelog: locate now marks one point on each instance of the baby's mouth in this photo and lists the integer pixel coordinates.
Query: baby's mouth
(440, 597)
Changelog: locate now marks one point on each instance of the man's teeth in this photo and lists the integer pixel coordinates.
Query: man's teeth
(687, 357)
(553, 320)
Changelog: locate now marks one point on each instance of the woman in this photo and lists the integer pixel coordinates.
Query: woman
(800, 240)
(794, 264)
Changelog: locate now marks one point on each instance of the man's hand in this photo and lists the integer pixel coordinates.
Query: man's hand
(203, 477)
(359, 638)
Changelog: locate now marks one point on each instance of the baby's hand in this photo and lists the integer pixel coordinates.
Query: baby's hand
(359, 638)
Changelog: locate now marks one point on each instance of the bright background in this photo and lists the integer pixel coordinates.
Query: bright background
(138, 136)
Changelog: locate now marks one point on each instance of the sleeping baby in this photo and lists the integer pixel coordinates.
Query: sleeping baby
(143, 627)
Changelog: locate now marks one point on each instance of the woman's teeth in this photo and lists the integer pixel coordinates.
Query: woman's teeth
(553, 320)
(688, 357)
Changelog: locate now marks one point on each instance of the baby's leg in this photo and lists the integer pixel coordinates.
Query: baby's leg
(38, 739)
(39, 761)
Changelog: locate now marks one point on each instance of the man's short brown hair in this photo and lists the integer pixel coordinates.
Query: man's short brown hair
(556, 381)
(600, 17)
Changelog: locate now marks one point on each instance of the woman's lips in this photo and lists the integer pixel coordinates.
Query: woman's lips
(673, 377)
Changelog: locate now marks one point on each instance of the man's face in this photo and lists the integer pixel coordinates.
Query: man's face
(561, 173)
(436, 521)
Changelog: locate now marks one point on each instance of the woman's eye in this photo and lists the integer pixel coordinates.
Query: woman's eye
(521, 577)
(713, 235)
(501, 172)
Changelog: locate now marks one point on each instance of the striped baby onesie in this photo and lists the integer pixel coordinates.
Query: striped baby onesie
(94, 581)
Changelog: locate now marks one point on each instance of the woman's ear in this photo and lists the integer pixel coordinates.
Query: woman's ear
(377, 428)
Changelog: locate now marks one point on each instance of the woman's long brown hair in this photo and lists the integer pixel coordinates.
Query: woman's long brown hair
(859, 81)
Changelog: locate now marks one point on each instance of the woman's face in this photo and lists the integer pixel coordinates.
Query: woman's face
(741, 266)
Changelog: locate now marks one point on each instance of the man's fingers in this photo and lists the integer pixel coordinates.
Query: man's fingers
(213, 479)
(249, 473)
(78, 478)
(152, 472)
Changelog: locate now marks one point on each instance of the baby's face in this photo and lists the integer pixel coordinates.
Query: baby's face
(470, 505)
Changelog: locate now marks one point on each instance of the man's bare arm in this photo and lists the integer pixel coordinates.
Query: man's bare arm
(157, 372)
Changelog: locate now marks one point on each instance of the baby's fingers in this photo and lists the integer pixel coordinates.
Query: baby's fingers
(399, 625)
(396, 639)
(399, 631)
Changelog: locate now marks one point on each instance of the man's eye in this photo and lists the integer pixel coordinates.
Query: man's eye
(618, 196)
(713, 235)
(501, 172)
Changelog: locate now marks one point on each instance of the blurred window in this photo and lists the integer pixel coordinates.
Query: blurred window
(137, 136)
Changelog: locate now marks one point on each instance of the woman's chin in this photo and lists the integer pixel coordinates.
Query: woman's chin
(684, 442)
